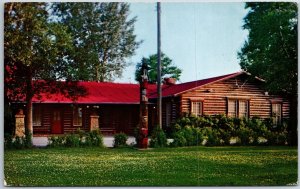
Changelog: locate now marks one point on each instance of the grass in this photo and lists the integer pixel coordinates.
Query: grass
(190, 166)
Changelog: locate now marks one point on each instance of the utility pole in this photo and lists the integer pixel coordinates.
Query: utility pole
(159, 104)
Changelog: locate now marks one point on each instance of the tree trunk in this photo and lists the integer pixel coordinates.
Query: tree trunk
(29, 96)
(28, 116)
(8, 116)
(102, 72)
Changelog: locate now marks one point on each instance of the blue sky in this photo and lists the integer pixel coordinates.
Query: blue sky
(201, 38)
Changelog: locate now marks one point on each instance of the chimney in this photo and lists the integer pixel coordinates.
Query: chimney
(169, 81)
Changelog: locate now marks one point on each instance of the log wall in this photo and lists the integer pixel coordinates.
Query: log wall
(215, 97)
(112, 118)
(118, 118)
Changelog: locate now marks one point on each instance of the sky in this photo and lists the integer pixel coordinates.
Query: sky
(201, 38)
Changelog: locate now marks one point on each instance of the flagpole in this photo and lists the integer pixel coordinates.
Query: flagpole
(159, 100)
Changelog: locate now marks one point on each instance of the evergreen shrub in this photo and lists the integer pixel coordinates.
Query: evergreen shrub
(212, 137)
(93, 138)
(158, 138)
(72, 140)
(120, 140)
(220, 130)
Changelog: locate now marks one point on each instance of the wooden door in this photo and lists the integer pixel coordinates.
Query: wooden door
(56, 125)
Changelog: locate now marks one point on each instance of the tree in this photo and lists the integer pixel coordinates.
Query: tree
(34, 49)
(271, 50)
(102, 38)
(167, 69)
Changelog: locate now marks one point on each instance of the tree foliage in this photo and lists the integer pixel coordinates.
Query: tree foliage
(34, 49)
(167, 68)
(102, 38)
(33, 45)
(271, 49)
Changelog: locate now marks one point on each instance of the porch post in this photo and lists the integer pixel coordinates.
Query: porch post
(94, 122)
(20, 124)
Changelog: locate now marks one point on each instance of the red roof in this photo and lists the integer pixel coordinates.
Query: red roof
(122, 93)
(98, 92)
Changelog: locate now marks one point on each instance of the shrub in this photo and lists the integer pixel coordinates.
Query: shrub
(82, 136)
(179, 140)
(174, 128)
(276, 138)
(282, 138)
(158, 138)
(245, 135)
(212, 137)
(56, 141)
(225, 136)
(120, 140)
(28, 140)
(222, 129)
(94, 138)
(72, 140)
(198, 136)
(188, 136)
(136, 134)
(258, 128)
(8, 141)
(187, 132)
(18, 143)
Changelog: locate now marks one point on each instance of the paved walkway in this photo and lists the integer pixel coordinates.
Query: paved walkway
(42, 141)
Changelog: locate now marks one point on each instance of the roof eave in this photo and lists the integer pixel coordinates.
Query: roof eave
(40, 102)
(228, 77)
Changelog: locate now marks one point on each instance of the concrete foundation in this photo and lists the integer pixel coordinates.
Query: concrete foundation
(42, 141)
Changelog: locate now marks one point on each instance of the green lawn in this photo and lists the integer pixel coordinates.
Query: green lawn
(191, 166)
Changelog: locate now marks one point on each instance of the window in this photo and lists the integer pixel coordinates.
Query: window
(276, 113)
(232, 108)
(238, 108)
(77, 116)
(243, 108)
(36, 116)
(197, 108)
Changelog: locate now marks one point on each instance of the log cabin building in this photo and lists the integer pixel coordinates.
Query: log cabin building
(114, 107)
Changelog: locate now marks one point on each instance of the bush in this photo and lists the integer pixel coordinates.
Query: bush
(18, 143)
(187, 132)
(158, 138)
(188, 136)
(8, 141)
(198, 136)
(136, 134)
(28, 140)
(212, 137)
(225, 136)
(56, 141)
(223, 129)
(276, 138)
(245, 135)
(120, 140)
(94, 138)
(179, 140)
(72, 140)
(174, 129)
